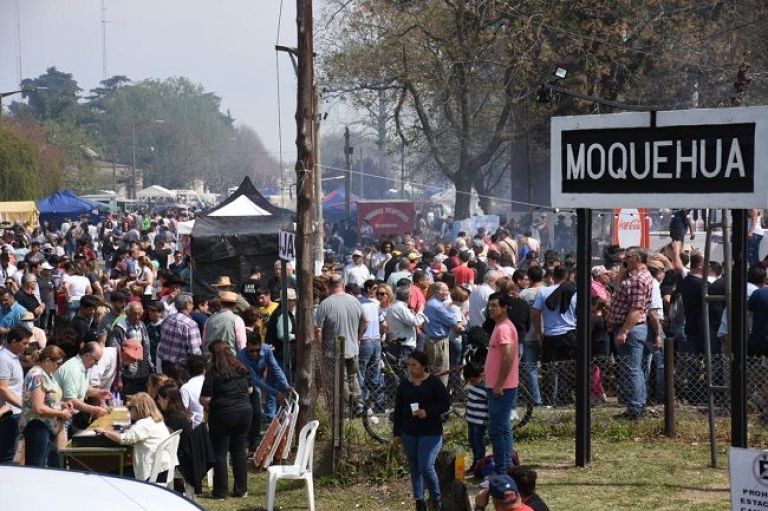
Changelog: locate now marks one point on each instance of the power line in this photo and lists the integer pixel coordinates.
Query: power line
(429, 185)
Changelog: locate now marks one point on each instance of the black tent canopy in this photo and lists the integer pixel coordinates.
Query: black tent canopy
(232, 237)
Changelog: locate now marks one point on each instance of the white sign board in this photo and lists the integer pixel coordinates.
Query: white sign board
(287, 245)
(748, 470)
(714, 158)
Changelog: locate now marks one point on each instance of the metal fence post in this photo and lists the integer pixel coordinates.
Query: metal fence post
(670, 422)
(338, 400)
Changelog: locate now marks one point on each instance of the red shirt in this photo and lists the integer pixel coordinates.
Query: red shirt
(464, 275)
(417, 301)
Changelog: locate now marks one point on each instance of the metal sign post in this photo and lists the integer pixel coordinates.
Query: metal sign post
(583, 336)
(287, 253)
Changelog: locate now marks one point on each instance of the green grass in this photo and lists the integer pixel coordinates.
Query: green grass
(633, 467)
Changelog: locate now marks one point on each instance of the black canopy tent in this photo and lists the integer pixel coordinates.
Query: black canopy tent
(235, 236)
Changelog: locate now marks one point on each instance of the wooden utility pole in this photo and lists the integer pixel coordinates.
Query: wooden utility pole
(348, 174)
(305, 167)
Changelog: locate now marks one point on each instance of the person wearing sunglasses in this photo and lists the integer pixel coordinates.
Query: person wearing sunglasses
(43, 412)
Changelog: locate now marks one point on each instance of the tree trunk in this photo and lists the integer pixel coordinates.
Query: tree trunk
(463, 184)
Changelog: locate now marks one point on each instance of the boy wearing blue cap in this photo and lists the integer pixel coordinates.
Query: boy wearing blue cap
(505, 494)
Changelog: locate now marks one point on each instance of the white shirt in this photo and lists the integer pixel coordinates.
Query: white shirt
(145, 436)
(402, 323)
(380, 258)
(190, 396)
(102, 375)
(78, 286)
(477, 303)
(357, 274)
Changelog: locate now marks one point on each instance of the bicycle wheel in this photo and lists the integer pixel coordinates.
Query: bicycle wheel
(524, 410)
(379, 408)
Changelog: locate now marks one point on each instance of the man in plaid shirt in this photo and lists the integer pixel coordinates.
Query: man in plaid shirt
(627, 322)
(180, 336)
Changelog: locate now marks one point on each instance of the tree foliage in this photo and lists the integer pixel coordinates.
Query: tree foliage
(465, 73)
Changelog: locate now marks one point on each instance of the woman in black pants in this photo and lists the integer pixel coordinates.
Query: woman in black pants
(225, 394)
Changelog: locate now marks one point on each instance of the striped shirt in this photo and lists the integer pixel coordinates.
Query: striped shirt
(477, 404)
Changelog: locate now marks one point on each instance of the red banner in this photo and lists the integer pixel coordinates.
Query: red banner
(386, 217)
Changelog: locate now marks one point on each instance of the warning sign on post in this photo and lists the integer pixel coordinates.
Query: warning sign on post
(687, 158)
(749, 479)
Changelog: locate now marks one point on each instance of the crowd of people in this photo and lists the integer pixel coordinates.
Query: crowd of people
(95, 310)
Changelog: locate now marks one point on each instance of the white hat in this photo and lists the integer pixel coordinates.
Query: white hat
(46, 265)
(357, 253)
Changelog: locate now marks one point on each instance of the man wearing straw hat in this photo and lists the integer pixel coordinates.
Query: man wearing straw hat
(226, 325)
(224, 283)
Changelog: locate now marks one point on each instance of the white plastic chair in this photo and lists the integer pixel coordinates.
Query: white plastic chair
(169, 446)
(301, 468)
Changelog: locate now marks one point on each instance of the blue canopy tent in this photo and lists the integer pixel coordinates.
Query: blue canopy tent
(334, 205)
(65, 204)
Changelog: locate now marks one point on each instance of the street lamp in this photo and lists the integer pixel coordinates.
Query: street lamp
(11, 93)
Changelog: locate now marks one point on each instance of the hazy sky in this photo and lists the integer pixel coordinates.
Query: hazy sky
(226, 45)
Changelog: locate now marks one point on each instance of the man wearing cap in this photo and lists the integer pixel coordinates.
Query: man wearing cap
(601, 277)
(225, 325)
(341, 315)
(133, 377)
(357, 272)
(503, 490)
(180, 336)
(627, 321)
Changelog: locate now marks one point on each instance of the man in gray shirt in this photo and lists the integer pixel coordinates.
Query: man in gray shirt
(340, 315)
(11, 387)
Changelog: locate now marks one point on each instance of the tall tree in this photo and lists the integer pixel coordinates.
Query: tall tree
(51, 96)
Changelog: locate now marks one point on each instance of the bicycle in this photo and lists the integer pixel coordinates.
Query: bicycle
(380, 402)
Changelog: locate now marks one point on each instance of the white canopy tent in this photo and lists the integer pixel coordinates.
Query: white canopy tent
(241, 206)
(155, 192)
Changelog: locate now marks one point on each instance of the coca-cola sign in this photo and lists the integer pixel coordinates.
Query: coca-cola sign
(630, 228)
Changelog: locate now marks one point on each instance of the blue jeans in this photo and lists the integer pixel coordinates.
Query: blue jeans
(500, 427)
(9, 438)
(370, 372)
(476, 437)
(529, 369)
(422, 452)
(39, 445)
(753, 249)
(632, 391)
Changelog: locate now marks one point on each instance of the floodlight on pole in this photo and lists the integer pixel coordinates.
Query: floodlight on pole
(20, 91)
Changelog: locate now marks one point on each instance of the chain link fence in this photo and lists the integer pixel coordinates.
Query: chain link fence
(547, 395)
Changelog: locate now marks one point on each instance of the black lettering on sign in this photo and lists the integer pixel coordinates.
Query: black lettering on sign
(677, 159)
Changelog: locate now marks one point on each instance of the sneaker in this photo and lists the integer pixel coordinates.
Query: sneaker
(239, 495)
